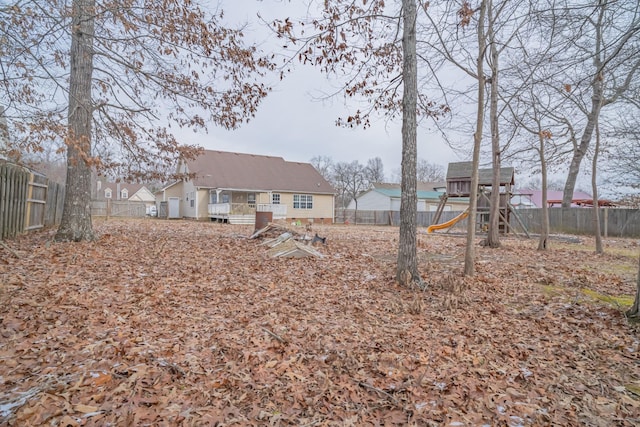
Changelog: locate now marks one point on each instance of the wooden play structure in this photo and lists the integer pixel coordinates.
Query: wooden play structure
(459, 186)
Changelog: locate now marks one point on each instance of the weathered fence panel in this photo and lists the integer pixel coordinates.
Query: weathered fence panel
(36, 202)
(423, 219)
(14, 183)
(55, 203)
(119, 209)
(28, 201)
(614, 222)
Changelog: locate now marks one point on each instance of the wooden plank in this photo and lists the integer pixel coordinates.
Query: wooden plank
(4, 201)
(25, 202)
(27, 214)
(11, 206)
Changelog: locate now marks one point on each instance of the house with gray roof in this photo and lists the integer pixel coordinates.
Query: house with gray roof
(386, 197)
(231, 187)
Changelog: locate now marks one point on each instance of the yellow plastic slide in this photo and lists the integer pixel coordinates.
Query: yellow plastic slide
(449, 223)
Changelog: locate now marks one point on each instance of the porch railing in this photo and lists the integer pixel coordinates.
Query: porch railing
(279, 211)
(219, 208)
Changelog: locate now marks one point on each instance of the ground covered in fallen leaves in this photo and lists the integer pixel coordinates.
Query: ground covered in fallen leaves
(182, 323)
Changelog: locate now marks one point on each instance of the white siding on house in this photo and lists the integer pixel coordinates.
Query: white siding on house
(143, 195)
(188, 196)
(372, 201)
(434, 207)
(376, 201)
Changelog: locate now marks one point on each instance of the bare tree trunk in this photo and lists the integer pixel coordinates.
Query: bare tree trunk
(493, 237)
(407, 272)
(597, 87)
(355, 214)
(581, 150)
(634, 311)
(594, 187)
(543, 243)
(469, 255)
(76, 216)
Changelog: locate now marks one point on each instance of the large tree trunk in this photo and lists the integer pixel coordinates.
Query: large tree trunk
(76, 215)
(407, 272)
(634, 311)
(469, 255)
(493, 237)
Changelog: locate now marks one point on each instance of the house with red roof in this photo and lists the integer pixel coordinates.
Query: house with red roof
(232, 187)
(529, 198)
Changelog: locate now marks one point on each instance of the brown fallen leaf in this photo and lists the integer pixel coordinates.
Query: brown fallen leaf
(85, 409)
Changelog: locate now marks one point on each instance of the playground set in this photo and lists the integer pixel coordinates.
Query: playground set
(459, 186)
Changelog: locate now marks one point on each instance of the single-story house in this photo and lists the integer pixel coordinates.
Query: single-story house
(386, 197)
(528, 198)
(231, 187)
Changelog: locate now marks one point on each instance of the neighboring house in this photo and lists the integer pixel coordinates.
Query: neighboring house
(232, 186)
(386, 197)
(122, 191)
(528, 198)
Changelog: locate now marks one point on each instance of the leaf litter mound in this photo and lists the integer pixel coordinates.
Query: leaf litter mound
(185, 323)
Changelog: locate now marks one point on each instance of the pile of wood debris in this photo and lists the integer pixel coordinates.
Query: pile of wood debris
(288, 243)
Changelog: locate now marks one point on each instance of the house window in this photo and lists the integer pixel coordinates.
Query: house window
(124, 193)
(275, 199)
(191, 203)
(302, 201)
(213, 197)
(225, 198)
(251, 199)
(107, 193)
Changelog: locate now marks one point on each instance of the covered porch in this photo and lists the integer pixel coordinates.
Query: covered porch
(240, 207)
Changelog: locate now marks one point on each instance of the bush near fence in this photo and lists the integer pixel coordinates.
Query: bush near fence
(614, 222)
(28, 200)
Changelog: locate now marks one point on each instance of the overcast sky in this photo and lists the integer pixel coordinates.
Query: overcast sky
(292, 123)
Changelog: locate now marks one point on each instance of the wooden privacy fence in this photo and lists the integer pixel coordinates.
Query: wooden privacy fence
(118, 208)
(614, 222)
(423, 219)
(28, 201)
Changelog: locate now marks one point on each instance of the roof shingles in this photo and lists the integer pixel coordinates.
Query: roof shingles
(251, 172)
